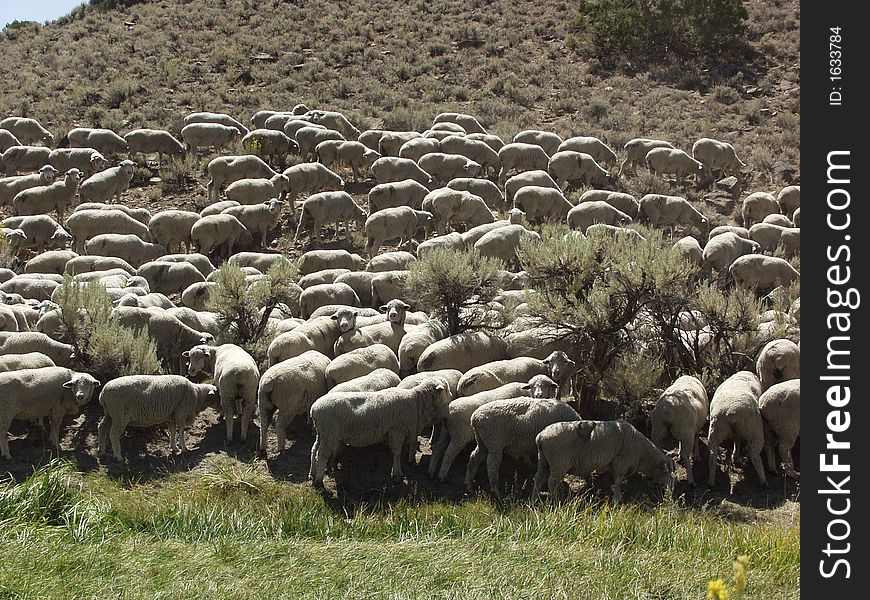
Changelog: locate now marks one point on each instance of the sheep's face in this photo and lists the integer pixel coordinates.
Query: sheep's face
(664, 473)
(346, 319)
(73, 176)
(542, 387)
(82, 386)
(60, 239)
(15, 237)
(559, 365)
(396, 310)
(198, 357)
(47, 174)
(370, 156)
(472, 168)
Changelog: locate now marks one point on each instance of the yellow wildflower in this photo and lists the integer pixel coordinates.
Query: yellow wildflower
(717, 590)
(740, 574)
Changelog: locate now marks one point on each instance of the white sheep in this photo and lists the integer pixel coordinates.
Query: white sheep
(210, 117)
(584, 447)
(636, 151)
(535, 177)
(392, 168)
(319, 333)
(583, 215)
(268, 142)
(289, 388)
(717, 156)
(44, 199)
(415, 148)
(663, 210)
(397, 193)
(614, 231)
(390, 261)
(547, 140)
(762, 272)
(475, 150)
(451, 207)
(360, 361)
(444, 167)
(258, 219)
(29, 360)
(680, 413)
(452, 241)
(318, 260)
(780, 407)
(691, 250)
(497, 373)
(44, 392)
(10, 186)
(602, 154)
(108, 184)
(491, 140)
(361, 283)
(335, 121)
(40, 232)
(738, 231)
(219, 234)
(196, 295)
(169, 277)
(256, 191)
(85, 224)
(85, 264)
(468, 122)
(618, 200)
(365, 418)
(767, 235)
(388, 333)
(462, 352)
(24, 159)
(227, 169)
(53, 261)
(789, 199)
(236, 377)
(325, 208)
(400, 223)
(576, 169)
(778, 361)
(27, 130)
(542, 203)
(105, 141)
(149, 400)
(128, 247)
(200, 261)
(666, 161)
(790, 240)
(326, 294)
(261, 261)
(279, 122)
(503, 243)
(7, 140)
(470, 237)
(350, 153)
(207, 135)
(415, 342)
(778, 219)
(153, 141)
(521, 157)
(258, 120)
(142, 215)
(86, 160)
(722, 250)
(391, 142)
(309, 137)
(23, 342)
(484, 188)
(379, 379)
(170, 227)
(757, 206)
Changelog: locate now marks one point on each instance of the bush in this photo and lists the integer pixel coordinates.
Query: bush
(105, 5)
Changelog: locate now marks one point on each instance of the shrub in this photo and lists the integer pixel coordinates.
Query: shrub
(105, 5)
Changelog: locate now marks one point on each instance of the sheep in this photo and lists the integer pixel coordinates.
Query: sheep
(379, 379)
(365, 418)
(778, 219)
(170, 227)
(397, 193)
(53, 261)
(309, 137)
(318, 260)
(207, 322)
(618, 200)
(388, 333)
(27, 131)
(104, 141)
(453, 241)
(7, 140)
(722, 250)
(388, 285)
(236, 377)
(450, 206)
(85, 264)
(584, 447)
(128, 247)
(664, 161)
(261, 261)
(18, 159)
(29, 360)
(44, 392)
(467, 122)
(289, 388)
(588, 213)
(353, 154)
(574, 169)
(22, 342)
(717, 156)
(738, 231)
(153, 141)
(280, 121)
(388, 169)
(663, 210)
(756, 206)
(780, 407)
(550, 142)
(258, 120)
(767, 235)
(148, 300)
(789, 199)
(599, 151)
(217, 208)
(515, 183)
(400, 223)
(207, 135)
(415, 342)
(636, 151)
(680, 413)
(475, 150)
(361, 283)
(258, 218)
(329, 207)
(542, 203)
(391, 142)
(462, 352)
(256, 191)
(321, 277)
(32, 286)
(390, 261)
(790, 240)
(360, 361)
(444, 167)
(44, 199)
(503, 243)
(778, 361)
(762, 272)
(227, 169)
(471, 236)
(86, 160)
(268, 142)
(16, 238)
(210, 117)
(196, 295)
(41, 231)
(497, 373)
(10, 186)
(691, 250)
(219, 234)
(415, 148)
(734, 415)
(316, 296)
(318, 334)
(371, 138)
(169, 277)
(620, 233)
(85, 224)
(510, 426)
(483, 188)
(140, 214)
(334, 121)
(148, 400)
(521, 157)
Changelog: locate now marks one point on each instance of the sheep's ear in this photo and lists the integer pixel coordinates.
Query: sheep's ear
(97, 383)
(441, 386)
(383, 308)
(186, 354)
(527, 386)
(405, 306)
(68, 384)
(334, 317)
(546, 361)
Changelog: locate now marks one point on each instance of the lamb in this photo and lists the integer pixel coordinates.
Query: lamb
(758, 205)
(475, 150)
(663, 210)
(691, 250)
(734, 415)
(542, 204)
(388, 169)
(483, 188)
(169, 277)
(503, 243)
(762, 272)
(44, 199)
(415, 342)
(334, 121)
(388, 333)
(778, 361)
(219, 234)
(10, 186)
(453, 207)
(462, 352)
(521, 157)
(550, 142)
(22, 342)
(515, 183)
(210, 117)
(391, 142)
(236, 377)
(170, 227)
(780, 407)
(391, 223)
(664, 161)
(148, 400)
(468, 122)
(592, 146)
(316, 296)
(268, 142)
(27, 130)
(85, 264)
(153, 141)
(390, 261)
(86, 160)
(85, 224)
(317, 334)
(415, 148)
(618, 200)
(722, 250)
(41, 232)
(329, 207)
(258, 218)
(574, 169)
(717, 156)
(227, 169)
(19, 159)
(495, 374)
(359, 362)
(53, 261)
(636, 151)
(680, 413)
(128, 247)
(353, 154)
(105, 141)
(29, 360)
(309, 137)
(365, 418)
(510, 426)
(44, 392)
(207, 135)
(583, 447)
(767, 235)
(587, 213)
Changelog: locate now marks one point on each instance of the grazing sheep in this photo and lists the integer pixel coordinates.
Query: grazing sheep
(353, 154)
(691, 250)
(153, 141)
(219, 234)
(379, 379)
(261, 261)
(418, 147)
(321, 277)
(10, 186)
(105, 141)
(268, 142)
(680, 413)
(636, 151)
(128, 247)
(391, 142)
(778, 219)
(85, 224)
(415, 342)
(32, 286)
(497, 373)
(471, 237)
(256, 191)
(53, 261)
(722, 250)
(18, 159)
(407, 192)
(717, 156)
(462, 352)
(452, 241)
(515, 183)
(778, 361)
(7, 140)
(236, 377)
(319, 334)
(22, 342)
(468, 122)
(597, 149)
(475, 150)
(316, 296)
(41, 231)
(290, 388)
(663, 210)
(149, 400)
(196, 295)
(738, 231)
(335, 121)
(575, 169)
(388, 169)
(510, 427)
(27, 130)
(258, 219)
(665, 161)
(762, 272)
(618, 200)
(364, 418)
(258, 120)
(387, 286)
(620, 233)
(85, 264)
(550, 142)
(207, 135)
(360, 361)
(767, 235)
(503, 242)
(451, 207)
(790, 240)
(169, 277)
(140, 214)
(361, 283)
(227, 169)
(217, 208)
(789, 200)
(757, 206)
(44, 392)
(483, 188)
(390, 261)
(318, 260)
(542, 204)
(329, 207)
(44, 199)
(400, 223)
(210, 117)
(444, 167)
(169, 227)
(371, 138)
(584, 447)
(493, 141)
(280, 121)
(86, 160)
(20, 362)
(780, 407)
(597, 211)
(309, 137)
(521, 157)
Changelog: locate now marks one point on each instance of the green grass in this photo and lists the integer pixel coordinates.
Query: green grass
(234, 532)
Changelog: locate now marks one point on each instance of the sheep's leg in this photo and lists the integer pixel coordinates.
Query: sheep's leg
(173, 447)
(412, 448)
(54, 435)
(314, 450)
(686, 457)
(281, 423)
(617, 488)
(478, 455)
(247, 415)
(229, 415)
(323, 454)
(755, 457)
(265, 417)
(346, 231)
(771, 461)
(103, 434)
(4, 441)
(785, 456)
(115, 433)
(395, 441)
(438, 449)
(713, 442)
(541, 474)
(493, 462)
(181, 426)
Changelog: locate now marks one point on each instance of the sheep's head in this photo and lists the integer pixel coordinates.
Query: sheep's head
(98, 162)
(542, 387)
(370, 156)
(82, 386)
(428, 222)
(472, 168)
(559, 365)
(396, 310)
(199, 358)
(346, 318)
(15, 237)
(47, 174)
(516, 216)
(73, 177)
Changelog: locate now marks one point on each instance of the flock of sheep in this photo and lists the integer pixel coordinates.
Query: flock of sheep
(348, 350)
